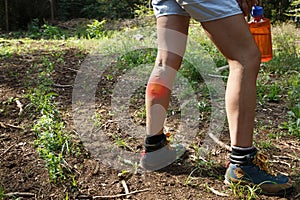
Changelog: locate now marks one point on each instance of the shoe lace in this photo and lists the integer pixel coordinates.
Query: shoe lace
(169, 137)
(260, 160)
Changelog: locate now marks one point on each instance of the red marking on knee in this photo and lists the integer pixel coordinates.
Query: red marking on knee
(156, 90)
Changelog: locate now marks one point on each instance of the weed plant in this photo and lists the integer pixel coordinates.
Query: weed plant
(53, 141)
(1, 192)
(244, 192)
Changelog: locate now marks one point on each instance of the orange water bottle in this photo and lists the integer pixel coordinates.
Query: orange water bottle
(260, 28)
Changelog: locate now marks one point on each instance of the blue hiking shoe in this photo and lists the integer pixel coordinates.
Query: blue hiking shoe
(252, 170)
(160, 155)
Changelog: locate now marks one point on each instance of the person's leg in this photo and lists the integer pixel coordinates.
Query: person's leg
(172, 36)
(232, 36)
(169, 29)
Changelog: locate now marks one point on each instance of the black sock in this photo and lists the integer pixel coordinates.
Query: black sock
(155, 139)
(242, 155)
(155, 142)
(240, 151)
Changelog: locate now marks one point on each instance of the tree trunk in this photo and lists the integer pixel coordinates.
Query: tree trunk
(6, 16)
(52, 10)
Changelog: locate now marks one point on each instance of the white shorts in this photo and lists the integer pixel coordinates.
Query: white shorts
(200, 10)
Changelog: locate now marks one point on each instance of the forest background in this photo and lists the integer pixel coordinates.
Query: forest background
(17, 14)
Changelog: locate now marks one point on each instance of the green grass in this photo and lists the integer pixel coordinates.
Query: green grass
(132, 59)
(264, 144)
(1, 192)
(5, 52)
(244, 192)
(97, 120)
(53, 141)
(268, 92)
(293, 123)
(279, 79)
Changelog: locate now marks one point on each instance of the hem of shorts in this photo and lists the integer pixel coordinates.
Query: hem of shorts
(203, 20)
(166, 14)
(220, 17)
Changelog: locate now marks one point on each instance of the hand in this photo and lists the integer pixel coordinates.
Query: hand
(246, 5)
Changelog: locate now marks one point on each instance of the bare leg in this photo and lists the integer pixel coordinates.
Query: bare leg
(232, 36)
(157, 94)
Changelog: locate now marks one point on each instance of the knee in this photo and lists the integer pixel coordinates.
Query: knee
(161, 81)
(248, 62)
(168, 59)
(255, 59)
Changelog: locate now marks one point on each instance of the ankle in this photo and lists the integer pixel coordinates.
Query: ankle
(241, 151)
(242, 156)
(153, 143)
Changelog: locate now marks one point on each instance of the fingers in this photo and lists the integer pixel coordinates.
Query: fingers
(246, 5)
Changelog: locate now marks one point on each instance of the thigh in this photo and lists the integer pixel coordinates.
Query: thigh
(232, 36)
(172, 33)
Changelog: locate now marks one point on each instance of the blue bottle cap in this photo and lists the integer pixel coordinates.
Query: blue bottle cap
(257, 11)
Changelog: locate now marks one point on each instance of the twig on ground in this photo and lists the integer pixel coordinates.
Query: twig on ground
(125, 188)
(292, 156)
(62, 86)
(223, 68)
(75, 132)
(28, 154)
(71, 69)
(297, 196)
(69, 167)
(217, 192)
(194, 158)
(283, 173)
(280, 162)
(217, 76)
(95, 171)
(289, 145)
(11, 126)
(2, 125)
(216, 140)
(20, 106)
(120, 195)
(284, 157)
(7, 150)
(19, 194)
